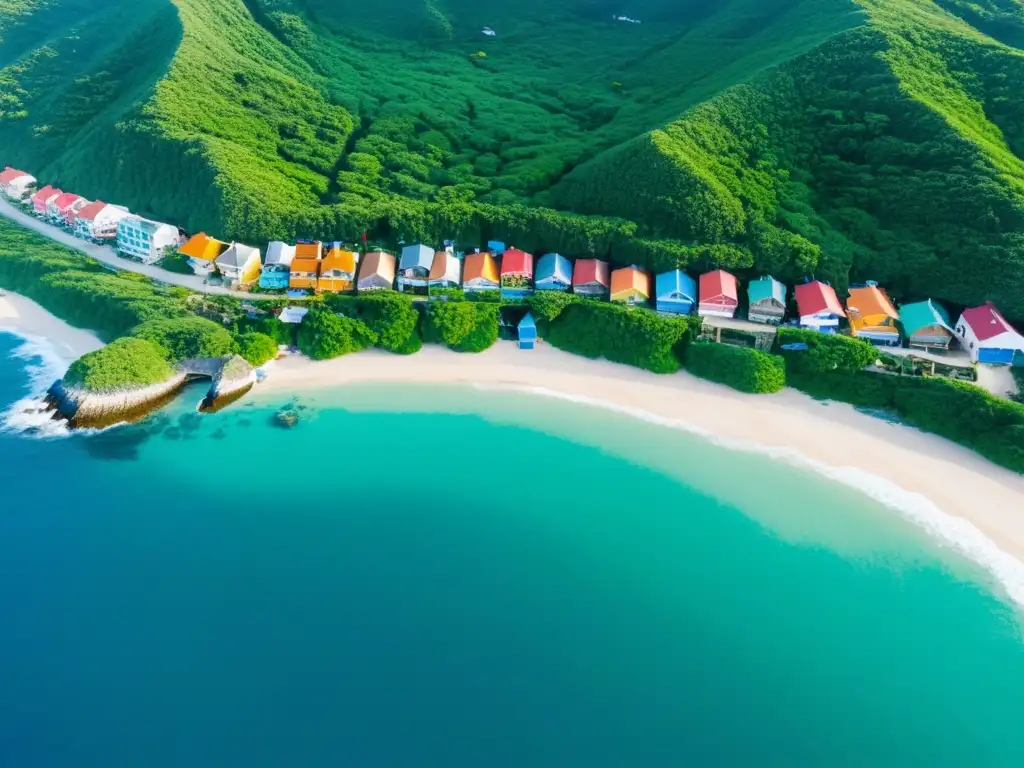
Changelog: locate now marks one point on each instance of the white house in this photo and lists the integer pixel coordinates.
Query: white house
(144, 239)
(985, 334)
(818, 306)
(240, 264)
(16, 184)
(98, 220)
(62, 209)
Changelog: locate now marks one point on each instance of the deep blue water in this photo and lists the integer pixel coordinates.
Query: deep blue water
(495, 581)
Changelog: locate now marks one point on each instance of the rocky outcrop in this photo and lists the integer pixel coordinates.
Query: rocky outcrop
(232, 381)
(86, 408)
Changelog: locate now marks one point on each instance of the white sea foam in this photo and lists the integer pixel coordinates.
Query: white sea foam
(948, 530)
(43, 365)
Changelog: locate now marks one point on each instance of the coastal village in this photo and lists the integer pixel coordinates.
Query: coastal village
(979, 335)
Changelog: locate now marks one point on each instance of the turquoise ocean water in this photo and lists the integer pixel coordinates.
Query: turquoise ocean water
(462, 578)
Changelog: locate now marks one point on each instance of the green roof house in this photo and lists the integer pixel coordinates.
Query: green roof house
(926, 324)
(767, 301)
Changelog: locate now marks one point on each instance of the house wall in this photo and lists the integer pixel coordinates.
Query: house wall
(591, 289)
(680, 307)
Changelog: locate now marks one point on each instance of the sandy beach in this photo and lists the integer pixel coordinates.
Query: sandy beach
(958, 481)
(24, 317)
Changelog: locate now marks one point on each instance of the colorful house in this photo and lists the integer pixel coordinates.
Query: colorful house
(144, 239)
(675, 291)
(377, 271)
(480, 273)
(42, 198)
(527, 332)
(63, 207)
(872, 315)
(631, 285)
(516, 274)
(202, 252)
(590, 278)
(926, 324)
(98, 220)
(496, 247)
(818, 306)
(766, 301)
(446, 271)
(16, 184)
(309, 249)
(985, 334)
(554, 273)
(303, 273)
(337, 270)
(240, 265)
(277, 266)
(719, 294)
(414, 267)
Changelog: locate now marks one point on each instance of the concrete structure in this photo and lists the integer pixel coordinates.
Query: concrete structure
(145, 240)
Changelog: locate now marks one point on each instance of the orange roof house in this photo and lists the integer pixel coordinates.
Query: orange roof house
(337, 270)
(480, 273)
(872, 315)
(202, 251)
(631, 285)
(309, 250)
(304, 273)
(445, 270)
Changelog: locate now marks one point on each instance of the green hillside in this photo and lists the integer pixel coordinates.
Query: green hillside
(848, 139)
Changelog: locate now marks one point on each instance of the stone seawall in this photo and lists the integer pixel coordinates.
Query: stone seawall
(232, 381)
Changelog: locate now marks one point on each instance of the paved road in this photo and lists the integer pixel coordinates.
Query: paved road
(108, 256)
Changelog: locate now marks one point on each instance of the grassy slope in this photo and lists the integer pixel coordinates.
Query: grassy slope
(872, 138)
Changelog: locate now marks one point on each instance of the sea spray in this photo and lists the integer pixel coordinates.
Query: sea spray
(954, 532)
(43, 364)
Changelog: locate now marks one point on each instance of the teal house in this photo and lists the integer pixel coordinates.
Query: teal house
(926, 324)
(766, 301)
(554, 273)
(527, 332)
(676, 292)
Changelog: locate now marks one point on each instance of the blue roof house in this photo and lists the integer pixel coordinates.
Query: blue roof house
(414, 268)
(554, 273)
(496, 247)
(527, 332)
(675, 292)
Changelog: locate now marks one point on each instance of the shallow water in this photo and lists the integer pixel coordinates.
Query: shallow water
(455, 577)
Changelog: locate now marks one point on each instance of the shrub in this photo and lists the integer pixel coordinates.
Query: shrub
(740, 368)
(187, 337)
(123, 363)
(391, 316)
(825, 352)
(324, 335)
(257, 348)
(629, 335)
(463, 326)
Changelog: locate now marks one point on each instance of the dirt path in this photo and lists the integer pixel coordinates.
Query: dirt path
(108, 256)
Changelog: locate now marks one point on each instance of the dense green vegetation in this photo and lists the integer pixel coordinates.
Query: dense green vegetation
(123, 363)
(629, 335)
(325, 334)
(848, 139)
(740, 368)
(257, 348)
(187, 337)
(465, 326)
(391, 316)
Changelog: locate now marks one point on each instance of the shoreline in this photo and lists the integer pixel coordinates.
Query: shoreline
(829, 437)
(28, 320)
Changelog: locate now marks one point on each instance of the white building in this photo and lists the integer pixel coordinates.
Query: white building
(240, 264)
(145, 240)
(98, 220)
(985, 334)
(16, 184)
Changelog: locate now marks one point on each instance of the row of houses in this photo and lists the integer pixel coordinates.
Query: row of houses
(982, 331)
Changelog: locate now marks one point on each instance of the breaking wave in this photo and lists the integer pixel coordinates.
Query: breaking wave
(43, 365)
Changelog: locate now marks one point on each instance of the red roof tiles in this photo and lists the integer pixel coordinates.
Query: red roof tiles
(815, 297)
(986, 321)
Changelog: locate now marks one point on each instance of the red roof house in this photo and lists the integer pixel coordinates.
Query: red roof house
(719, 294)
(985, 334)
(44, 196)
(818, 305)
(65, 204)
(10, 174)
(90, 212)
(590, 277)
(516, 273)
